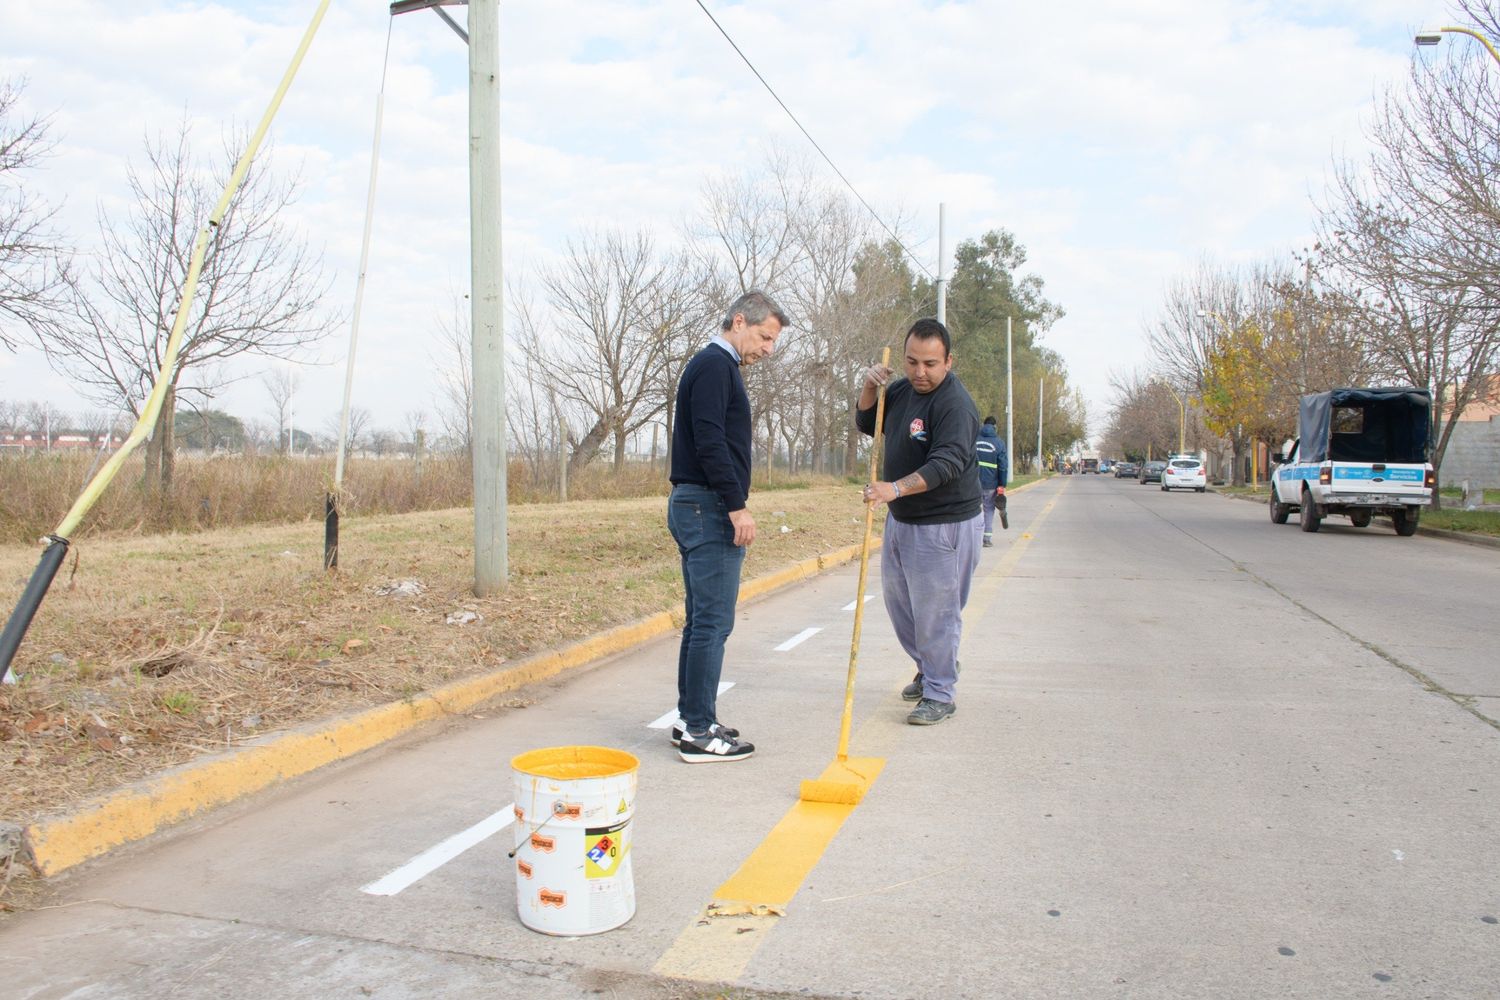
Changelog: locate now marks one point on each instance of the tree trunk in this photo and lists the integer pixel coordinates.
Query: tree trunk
(619, 433)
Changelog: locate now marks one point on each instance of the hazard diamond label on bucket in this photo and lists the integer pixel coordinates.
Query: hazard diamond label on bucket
(603, 847)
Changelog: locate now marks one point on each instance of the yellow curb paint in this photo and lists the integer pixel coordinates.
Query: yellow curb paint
(718, 945)
(56, 844)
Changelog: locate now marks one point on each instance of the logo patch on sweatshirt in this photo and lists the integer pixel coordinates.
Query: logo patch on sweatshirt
(918, 430)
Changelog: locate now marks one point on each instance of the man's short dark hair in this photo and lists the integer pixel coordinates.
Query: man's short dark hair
(755, 306)
(990, 421)
(927, 329)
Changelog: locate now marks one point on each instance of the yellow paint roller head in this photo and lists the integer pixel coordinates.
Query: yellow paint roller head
(844, 793)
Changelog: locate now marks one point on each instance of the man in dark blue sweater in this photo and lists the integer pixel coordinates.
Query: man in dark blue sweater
(708, 516)
(933, 524)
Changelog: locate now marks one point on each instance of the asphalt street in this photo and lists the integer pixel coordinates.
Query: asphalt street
(1195, 755)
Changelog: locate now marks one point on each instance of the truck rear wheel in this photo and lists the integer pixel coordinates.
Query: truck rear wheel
(1279, 510)
(1406, 522)
(1311, 519)
(1360, 519)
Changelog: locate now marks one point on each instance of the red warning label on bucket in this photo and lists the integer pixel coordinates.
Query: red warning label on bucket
(523, 868)
(551, 897)
(567, 810)
(603, 847)
(540, 843)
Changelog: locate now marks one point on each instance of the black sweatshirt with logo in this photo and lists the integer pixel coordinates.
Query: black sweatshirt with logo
(931, 434)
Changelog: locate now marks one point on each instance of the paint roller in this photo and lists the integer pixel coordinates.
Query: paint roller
(845, 781)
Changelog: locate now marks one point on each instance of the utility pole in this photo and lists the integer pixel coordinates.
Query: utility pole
(942, 279)
(1009, 396)
(1041, 391)
(488, 340)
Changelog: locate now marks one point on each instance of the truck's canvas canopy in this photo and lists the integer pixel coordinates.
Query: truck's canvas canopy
(1394, 427)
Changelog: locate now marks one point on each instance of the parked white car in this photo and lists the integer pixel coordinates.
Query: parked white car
(1184, 474)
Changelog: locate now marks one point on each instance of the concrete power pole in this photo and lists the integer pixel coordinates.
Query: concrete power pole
(491, 567)
(942, 280)
(1041, 391)
(1010, 424)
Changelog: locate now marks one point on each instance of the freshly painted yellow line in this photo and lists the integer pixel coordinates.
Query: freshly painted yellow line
(57, 843)
(775, 870)
(720, 942)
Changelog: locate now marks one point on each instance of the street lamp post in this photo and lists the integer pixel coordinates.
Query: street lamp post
(1431, 36)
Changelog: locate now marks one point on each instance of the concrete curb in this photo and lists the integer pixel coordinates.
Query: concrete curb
(1467, 537)
(56, 844)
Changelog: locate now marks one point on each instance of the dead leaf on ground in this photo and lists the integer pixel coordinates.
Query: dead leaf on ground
(41, 722)
(161, 666)
(353, 646)
(101, 736)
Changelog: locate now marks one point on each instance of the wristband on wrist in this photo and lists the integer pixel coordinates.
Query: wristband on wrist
(897, 488)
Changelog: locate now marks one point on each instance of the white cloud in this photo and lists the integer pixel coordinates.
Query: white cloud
(1118, 144)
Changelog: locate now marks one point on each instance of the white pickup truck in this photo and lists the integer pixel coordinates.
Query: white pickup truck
(1359, 452)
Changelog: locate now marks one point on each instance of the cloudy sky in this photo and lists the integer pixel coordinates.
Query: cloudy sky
(1120, 142)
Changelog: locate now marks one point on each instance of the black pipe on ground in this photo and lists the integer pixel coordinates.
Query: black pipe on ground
(31, 599)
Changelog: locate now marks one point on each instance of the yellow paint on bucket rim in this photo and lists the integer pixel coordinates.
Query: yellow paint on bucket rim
(575, 762)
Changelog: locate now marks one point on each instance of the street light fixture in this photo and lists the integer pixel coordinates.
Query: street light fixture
(1431, 36)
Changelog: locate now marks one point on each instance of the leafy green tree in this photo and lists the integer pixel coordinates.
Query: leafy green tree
(209, 430)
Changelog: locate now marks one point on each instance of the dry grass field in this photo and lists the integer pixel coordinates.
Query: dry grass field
(151, 650)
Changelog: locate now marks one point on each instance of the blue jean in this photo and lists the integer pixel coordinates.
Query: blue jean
(925, 572)
(711, 580)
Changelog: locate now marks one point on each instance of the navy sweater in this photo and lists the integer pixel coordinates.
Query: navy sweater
(711, 431)
(933, 434)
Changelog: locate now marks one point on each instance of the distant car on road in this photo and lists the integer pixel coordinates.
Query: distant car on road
(1184, 474)
(1151, 472)
(1090, 465)
(1126, 470)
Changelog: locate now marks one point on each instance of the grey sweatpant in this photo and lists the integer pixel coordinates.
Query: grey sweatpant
(925, 570)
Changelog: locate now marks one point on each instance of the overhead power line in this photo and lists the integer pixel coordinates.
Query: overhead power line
(829, 160)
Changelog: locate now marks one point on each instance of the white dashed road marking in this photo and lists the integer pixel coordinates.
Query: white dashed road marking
(798, 639)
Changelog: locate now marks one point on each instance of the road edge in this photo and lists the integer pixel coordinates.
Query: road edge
(1466, 537)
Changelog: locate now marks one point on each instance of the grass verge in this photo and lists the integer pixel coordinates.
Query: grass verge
(151, 651)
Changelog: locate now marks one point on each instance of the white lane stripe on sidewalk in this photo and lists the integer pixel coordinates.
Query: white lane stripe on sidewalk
(798, 639)
(850, 605)
(671, 717)
(435, 857)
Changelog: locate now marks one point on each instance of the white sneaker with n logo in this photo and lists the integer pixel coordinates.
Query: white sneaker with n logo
(714, 745)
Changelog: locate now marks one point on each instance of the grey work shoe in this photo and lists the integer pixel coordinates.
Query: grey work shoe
(913, 691)
(930, 713)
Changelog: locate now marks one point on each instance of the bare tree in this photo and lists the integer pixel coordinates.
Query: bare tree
(359, 427)
(33, 257)
(280, 386)
(1411, 238)
(617, 314)
(259, 291)
(454, 362)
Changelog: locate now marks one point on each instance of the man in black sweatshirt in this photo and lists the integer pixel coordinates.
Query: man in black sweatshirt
(708, 516)
(933, 523)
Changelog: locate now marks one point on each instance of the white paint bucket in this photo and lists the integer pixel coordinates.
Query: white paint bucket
(572, 829)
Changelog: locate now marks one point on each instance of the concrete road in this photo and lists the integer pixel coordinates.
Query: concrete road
(1196, 755)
